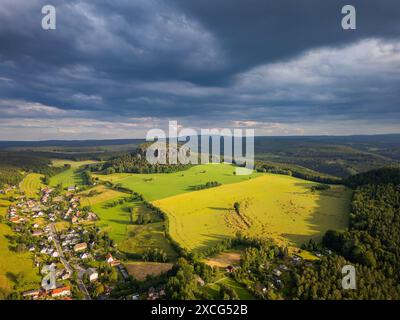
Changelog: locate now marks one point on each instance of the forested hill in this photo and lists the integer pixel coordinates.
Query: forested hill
(373, 239)
(12, 164)
(136, 162)
(375, 177)
(340, 156)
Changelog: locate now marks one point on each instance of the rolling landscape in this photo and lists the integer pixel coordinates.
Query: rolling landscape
(171, 155)
(204, 217)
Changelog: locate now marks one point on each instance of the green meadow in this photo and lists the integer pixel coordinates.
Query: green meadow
(4, 204)
(71, 176)
(132, 239)
(113, 220)
(164, 185)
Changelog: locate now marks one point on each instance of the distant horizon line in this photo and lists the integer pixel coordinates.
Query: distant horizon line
(257, 136)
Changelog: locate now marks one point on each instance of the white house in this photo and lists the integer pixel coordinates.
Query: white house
(84, 256)
(93, 274)
(276, 272)
(109, 258)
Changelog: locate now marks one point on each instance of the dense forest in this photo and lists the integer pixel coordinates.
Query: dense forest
(372, 243)
(375, 177)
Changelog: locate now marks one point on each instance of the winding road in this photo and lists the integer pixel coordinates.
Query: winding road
(81, 271)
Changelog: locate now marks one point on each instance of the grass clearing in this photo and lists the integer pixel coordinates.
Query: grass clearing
(273, 206)
(140, 270)
(163, 185)
(61, 226)
(114, 220)
(307, 255)
(213, 288)
(141, 237)
(224, 259)
(31, 185)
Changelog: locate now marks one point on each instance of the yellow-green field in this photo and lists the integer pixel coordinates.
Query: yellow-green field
(4, 204)
(31, 185)
(104, 194)
(12, 264)
(274, 206)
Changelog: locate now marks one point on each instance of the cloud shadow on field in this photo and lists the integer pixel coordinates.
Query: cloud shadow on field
(212, 241)
(319, 220)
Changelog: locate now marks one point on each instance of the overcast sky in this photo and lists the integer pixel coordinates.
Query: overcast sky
(115, 69)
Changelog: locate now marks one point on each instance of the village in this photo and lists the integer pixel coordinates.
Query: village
(74, 259)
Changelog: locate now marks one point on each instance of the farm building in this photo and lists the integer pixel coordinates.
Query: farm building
(80, 247)
(61, 292)
(93, 274)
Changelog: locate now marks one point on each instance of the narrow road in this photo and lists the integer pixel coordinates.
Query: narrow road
(68, 266)
(81, 285)
(59, 249)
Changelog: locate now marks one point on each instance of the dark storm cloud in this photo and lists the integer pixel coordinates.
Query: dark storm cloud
(257, 32)
(212, 62)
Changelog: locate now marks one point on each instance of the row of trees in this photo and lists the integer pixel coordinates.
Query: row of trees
(155, 255)
(297, 172)
(207, 185)
(118, 202)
